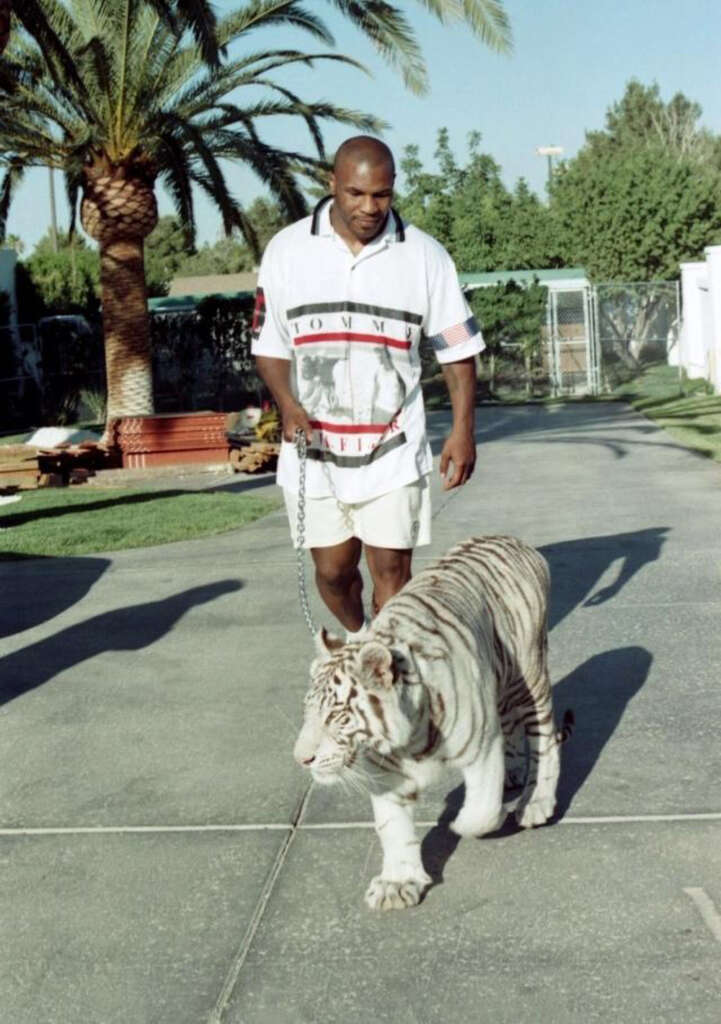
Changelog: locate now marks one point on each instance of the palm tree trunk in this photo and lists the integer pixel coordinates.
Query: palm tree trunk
(128, 360)
(4, 23)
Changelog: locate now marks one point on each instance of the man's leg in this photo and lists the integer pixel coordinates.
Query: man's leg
(390, 569)
(339, 581)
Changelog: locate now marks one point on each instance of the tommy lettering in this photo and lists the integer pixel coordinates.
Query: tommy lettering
(347, 320)
(316, 323)
(379, 325)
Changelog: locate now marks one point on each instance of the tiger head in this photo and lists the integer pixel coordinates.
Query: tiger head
(352, 708)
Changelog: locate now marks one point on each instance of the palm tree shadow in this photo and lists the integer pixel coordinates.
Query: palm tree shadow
(577, 565)
(599, 691)
(36, 592)
(124, 629)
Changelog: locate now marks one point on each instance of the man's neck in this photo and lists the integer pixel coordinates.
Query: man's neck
(354, 244)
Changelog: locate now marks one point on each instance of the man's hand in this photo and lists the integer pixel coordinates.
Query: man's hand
(460, 447)
(294, 417)
(459, 451)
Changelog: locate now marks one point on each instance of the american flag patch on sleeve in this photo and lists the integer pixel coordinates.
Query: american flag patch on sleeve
(455, 335)
(258, 312)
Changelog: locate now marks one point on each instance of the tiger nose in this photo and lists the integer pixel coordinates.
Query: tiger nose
(302, 754)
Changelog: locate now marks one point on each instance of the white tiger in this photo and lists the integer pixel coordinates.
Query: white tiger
(451, 673)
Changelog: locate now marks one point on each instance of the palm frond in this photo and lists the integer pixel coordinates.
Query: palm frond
(9, 185)
(199, 17)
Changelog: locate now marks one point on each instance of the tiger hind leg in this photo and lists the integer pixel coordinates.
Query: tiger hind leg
(538, 800)
(482, 809)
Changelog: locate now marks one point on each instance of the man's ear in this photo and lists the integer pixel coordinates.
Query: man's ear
(331, 183)
(326, 644)
(375, 665)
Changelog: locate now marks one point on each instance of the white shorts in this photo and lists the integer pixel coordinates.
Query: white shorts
(398, 519)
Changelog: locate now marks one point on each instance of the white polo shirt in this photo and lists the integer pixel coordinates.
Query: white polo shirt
(351, 327)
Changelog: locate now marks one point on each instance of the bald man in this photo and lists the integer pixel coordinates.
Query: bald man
(344, 298)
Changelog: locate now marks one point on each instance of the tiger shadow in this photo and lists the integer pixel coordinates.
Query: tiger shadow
(598, 690)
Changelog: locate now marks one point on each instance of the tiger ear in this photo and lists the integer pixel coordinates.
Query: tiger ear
(375, 665)
(326, 643)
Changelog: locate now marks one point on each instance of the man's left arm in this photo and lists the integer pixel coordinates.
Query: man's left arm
(458, 456)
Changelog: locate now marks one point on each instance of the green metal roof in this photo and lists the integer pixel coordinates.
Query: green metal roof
(544, 276)
(187, 303)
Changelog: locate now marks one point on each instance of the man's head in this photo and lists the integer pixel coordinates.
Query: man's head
(362, 186)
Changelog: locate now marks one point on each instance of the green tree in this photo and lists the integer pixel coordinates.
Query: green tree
(513, 316)
(66, 281)
(642, 120)
(140, 107)
(226, 256)
(166, 248)
(470, 211)
(635, 214)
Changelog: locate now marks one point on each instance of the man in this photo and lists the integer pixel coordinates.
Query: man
(343, 299)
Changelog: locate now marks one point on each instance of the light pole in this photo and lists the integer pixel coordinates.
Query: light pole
(550, 152)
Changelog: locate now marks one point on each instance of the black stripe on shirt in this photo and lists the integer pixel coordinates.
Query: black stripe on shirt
(354, 307)
(352, 461)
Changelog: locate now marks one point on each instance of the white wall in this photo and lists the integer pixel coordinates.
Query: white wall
(699, 350)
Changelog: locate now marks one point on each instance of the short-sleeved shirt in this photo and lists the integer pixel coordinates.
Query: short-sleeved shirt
(351, 325)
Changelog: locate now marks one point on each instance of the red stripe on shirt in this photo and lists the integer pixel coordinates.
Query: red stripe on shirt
(349, 428)
(375, 339)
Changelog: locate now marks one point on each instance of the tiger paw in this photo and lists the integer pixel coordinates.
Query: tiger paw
(467, 824)
(535, 812)
(383, 894)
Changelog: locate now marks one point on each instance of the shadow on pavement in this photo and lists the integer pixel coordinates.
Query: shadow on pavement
(124, 629)
(544, 424)
(577, 566)
(598, 691)
(53, 585)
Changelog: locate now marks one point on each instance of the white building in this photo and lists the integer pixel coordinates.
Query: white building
(699, 350)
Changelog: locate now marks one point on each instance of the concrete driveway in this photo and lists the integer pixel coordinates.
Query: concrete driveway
(163, 859)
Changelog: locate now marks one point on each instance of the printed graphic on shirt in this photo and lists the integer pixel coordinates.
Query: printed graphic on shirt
(258, 312)
(352, 365)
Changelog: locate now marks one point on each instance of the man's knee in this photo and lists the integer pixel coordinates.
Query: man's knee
(390, 570)
(336, 569)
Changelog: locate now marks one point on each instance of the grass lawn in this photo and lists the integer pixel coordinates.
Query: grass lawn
(693, 417)
(78, 521)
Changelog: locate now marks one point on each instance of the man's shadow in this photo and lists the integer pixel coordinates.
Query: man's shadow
(124, 629)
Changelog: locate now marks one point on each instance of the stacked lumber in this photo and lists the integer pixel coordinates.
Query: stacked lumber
(170, 439)
(254, 457)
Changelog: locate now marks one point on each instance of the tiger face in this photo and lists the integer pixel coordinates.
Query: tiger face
(351, 711)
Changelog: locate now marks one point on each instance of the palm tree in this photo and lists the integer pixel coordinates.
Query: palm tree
(141, 106)
(383, 23)
(33, 15)
(115, 96)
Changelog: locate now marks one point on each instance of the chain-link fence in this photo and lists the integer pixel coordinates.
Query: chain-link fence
(583, 340)
(541, 342)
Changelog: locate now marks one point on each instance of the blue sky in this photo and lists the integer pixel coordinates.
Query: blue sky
(570, 62)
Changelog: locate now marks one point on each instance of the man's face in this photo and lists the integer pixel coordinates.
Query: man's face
(363, 193)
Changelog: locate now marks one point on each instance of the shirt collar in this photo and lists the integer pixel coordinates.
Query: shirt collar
(394, 230)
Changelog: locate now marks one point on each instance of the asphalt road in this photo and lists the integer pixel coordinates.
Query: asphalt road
(164, 860)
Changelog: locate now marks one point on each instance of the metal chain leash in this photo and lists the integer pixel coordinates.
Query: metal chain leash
(301, 445)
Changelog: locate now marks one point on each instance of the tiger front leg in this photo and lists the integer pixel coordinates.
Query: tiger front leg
(483, 809)
(402, 879)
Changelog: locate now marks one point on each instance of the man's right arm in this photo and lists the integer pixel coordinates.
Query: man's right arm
(276, 375)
